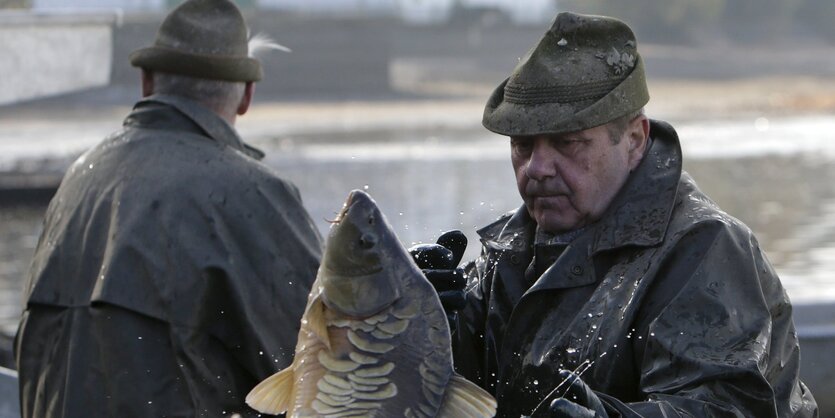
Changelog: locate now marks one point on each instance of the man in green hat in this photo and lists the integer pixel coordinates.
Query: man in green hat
(174, 267)
(618, 288)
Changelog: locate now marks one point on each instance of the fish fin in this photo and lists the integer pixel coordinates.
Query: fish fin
(315, 317)
(272, 396)
(464, 399)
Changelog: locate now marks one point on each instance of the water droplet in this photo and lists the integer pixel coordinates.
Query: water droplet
(761, 124)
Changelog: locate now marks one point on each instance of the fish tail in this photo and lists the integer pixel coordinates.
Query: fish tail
(464, 399)
(272, 396)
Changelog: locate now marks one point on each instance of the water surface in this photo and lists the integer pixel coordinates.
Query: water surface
(776, 176)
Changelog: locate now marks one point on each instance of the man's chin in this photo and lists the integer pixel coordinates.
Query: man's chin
(556, 224)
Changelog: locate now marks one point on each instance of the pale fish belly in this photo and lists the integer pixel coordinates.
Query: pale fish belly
(382, 366)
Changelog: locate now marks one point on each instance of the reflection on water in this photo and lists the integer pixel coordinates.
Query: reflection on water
(430, 183)
(789, 202)
(19, 230)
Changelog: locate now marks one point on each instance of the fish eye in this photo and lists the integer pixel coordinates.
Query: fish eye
(367, 241)
(371, 220)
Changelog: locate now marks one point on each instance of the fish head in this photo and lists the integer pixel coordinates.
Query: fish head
(362, 260)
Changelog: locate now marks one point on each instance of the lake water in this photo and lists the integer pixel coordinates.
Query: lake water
(775, 175)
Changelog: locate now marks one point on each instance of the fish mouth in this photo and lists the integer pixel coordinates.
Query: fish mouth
(356, 197)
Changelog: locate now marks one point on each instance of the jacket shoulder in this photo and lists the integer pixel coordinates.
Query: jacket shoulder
(694, 210)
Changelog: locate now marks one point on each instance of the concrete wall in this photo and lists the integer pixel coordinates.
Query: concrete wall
(331, 58)
(126, 5)
(49, 54)
(9, 398)
(816, 330)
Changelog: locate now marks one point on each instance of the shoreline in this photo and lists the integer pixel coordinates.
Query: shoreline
(41, 138)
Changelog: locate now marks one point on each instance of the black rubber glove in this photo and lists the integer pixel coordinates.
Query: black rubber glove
(439, 263)
(572, 399)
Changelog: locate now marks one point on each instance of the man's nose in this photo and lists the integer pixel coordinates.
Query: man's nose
(543, 162)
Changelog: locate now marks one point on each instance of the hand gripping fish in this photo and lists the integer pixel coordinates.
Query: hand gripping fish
(374, 340)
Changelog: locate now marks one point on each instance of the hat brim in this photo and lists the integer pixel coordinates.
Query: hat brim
(516, 119)
(173, 61)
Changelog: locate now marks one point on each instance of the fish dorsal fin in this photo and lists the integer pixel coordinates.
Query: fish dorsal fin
(316, 322)
(463, 399)
(274, 394)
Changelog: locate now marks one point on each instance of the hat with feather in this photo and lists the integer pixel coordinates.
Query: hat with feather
(584, 72)
(203, 39)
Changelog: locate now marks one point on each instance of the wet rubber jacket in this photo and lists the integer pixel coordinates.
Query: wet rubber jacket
(170, 277)
(666, 307)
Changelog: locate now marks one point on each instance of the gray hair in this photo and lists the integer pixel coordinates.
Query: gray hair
(221, 96)
(618, 126)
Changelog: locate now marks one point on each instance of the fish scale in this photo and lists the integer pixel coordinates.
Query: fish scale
(372, 382)
(374, 340)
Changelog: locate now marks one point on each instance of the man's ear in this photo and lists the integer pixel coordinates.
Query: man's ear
(638, 136)
(246, 100)
(147, 83)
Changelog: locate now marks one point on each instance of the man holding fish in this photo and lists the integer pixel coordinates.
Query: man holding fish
(618, 288)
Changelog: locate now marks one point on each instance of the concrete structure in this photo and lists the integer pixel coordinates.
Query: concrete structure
(416, 12)
(126, 5)
(9, 398)
(46, 54)
(815, 324)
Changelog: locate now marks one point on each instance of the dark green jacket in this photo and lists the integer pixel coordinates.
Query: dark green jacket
(666, 306)
(170, 277)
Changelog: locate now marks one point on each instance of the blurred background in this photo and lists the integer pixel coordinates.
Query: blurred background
(387, 95)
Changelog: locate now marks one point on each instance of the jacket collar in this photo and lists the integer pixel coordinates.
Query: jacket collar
(207, 121)
(638, 215)
(511, 232)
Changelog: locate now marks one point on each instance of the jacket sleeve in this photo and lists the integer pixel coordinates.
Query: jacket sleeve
(722, 341)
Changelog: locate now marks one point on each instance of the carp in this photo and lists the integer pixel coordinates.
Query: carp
(374, 340)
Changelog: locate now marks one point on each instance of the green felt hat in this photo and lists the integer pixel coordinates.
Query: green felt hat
(203, 39)
(585, 72)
